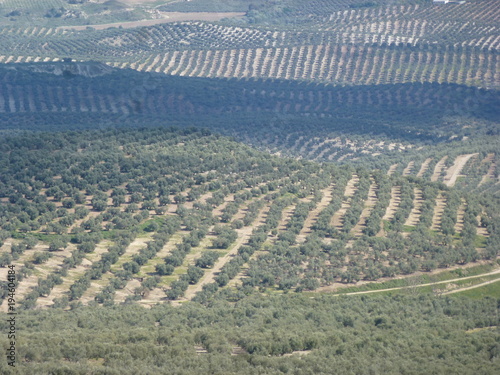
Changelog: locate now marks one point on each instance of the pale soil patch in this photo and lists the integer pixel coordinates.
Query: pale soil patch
(132, 249)
(337, 218)
(393, 203)
(149, 267)
(169, 17)
(368, 208)
(122, 294)
(438, 169)
(41, 271)
(217, 212)
(261, 218)
(243, 236)
(424, 167)
(438, 212)
(460, 217)
(392, 169)
(481, 231)
(95, 287)
(5, 248)
(297, 353)
(490, 175)
(286, 216)
(409, 168)
(414, 216)
(74, 274)
(480, 329)
(454, 171)
(313, 214)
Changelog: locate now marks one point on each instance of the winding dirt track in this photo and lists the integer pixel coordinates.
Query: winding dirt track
(497, 271)
(471, 287)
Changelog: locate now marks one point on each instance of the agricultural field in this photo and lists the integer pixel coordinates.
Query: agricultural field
(116, 216)
(373, 46)
(250, 186)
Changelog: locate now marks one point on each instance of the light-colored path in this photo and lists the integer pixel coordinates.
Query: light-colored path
(313, 214)
(454, 171)
(438, 169)
(414, 216)
(471, 287)
(368, 208)
(424, 167)
(497, 271)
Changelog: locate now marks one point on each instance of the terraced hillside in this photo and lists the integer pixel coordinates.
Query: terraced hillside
(378, 45)
(374, 124)
(133, 215)
(375, 82)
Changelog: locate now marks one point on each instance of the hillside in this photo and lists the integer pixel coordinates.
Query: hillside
(163, 214)
(385, 84)
(355, 46)
(249, 187)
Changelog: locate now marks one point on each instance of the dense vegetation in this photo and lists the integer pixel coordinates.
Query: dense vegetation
(278, 335)
(243, 178)
(115, 215)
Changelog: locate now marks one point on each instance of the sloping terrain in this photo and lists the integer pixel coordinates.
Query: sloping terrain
(155, 224)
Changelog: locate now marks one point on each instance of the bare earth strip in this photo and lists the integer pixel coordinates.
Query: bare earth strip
(131, 250)
(260, 220)
(97, 285)
(414, 216)
(460, 217)
(454, 171)
(490, 175)
(438, 168)
(481, 231)
(369, 204)
(409, 168)
(313, 215)
(391, 209)
(423, 167)
(41, 271)
(438, 212)
(74, 274)
(391, 170)
(286, 216)
(243, 236)
(393, 203)
(349, 192)
(171, 17)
